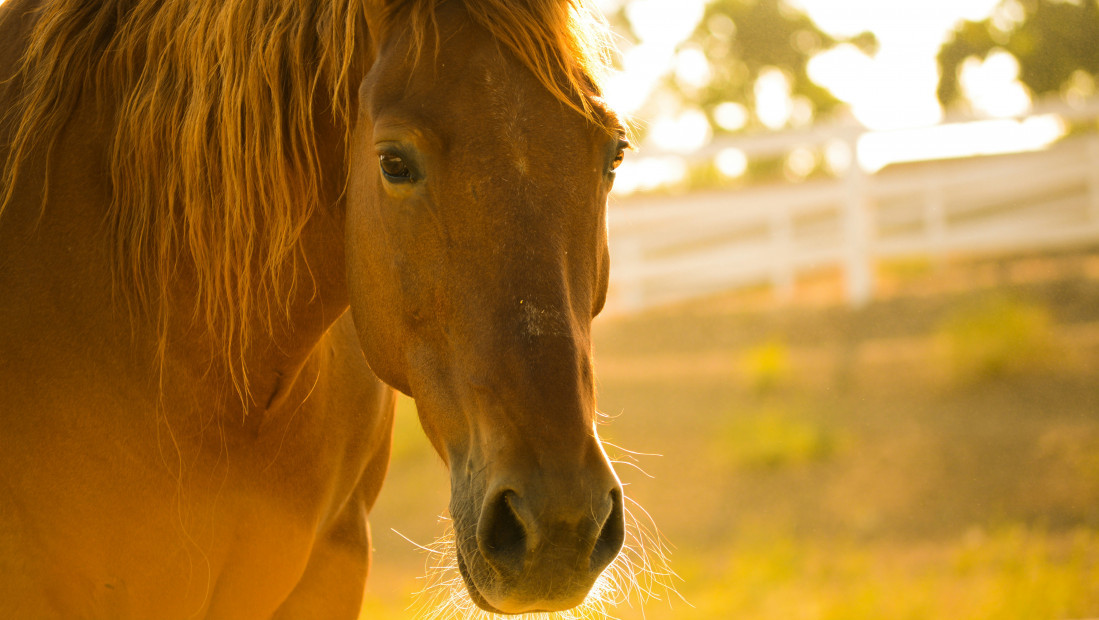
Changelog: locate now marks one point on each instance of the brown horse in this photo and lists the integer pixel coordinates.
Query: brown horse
(194, 193)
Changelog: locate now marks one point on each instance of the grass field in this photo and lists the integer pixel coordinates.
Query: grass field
(935, 455)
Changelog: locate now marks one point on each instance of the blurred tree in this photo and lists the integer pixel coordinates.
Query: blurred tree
(1053, 40)
(745, 51)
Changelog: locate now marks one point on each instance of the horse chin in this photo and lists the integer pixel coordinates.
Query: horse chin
(471, 587)
(479, 599)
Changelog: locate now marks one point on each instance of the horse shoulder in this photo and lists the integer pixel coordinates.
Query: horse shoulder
(332, 584)
(348, 415)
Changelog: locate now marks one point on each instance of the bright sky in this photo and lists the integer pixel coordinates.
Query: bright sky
(894, 89)
(892, 93)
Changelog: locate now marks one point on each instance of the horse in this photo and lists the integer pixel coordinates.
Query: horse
(231, 232)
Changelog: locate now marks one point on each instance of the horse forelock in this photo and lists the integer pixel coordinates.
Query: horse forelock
(566, 44)
(212, 156)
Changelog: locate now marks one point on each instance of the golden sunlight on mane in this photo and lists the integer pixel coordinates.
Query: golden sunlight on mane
(210, 112)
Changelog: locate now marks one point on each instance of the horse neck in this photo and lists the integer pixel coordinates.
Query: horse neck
(56, 270)
(275, 357)
(261, 374)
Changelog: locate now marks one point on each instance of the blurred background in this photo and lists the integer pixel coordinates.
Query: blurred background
(854, 309)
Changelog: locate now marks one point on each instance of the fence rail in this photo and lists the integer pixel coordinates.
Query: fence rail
(672, 249)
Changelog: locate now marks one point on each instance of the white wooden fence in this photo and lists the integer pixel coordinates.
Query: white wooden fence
(676, 248)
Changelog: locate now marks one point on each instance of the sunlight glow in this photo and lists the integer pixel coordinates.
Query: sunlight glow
(896, 88)
(1007, 16)
(649, 173)
(731, 162)
(660, 25)
(731, 116)
(844, 70)
(800, 163)
(642, 67)
(879, 149)
(892, 17)
(837, 157)
(993, 86)
(692, 69)
(1080, 87)
(891, 93)
(685, 133)
(772, 93)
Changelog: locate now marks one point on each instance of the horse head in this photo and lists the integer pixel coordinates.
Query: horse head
(477, 259)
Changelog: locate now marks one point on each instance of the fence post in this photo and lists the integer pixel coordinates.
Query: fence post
(858, 232)
(782, 248)
(1093, 179)
(935, 215)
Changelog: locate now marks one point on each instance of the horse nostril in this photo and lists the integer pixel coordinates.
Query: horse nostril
(611, 536)
(501, 535)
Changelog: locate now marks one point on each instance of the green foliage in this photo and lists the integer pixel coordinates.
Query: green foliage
(706, 175)
(997, 337)
(1013, 573)
(771, 439)
(766, 33)
(1055, 39)
(908, 269)
(766, 367)
(743, 38)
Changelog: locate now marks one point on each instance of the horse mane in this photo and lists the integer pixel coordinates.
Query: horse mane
(212, 158)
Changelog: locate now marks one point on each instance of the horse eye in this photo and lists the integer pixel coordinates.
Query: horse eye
(620, 155)
(394, 168)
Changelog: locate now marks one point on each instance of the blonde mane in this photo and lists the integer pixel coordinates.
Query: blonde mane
(213, 162)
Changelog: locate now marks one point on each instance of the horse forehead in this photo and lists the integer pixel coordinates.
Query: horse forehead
(476, 90)
(510, 107)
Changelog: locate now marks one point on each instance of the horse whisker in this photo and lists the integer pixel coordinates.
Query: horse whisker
(639, 574)
(636, 467)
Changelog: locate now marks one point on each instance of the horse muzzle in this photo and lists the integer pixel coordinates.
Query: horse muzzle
(539, 545)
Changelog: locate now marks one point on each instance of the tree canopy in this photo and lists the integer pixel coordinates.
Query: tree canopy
(1051, 39)
(744, 40)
